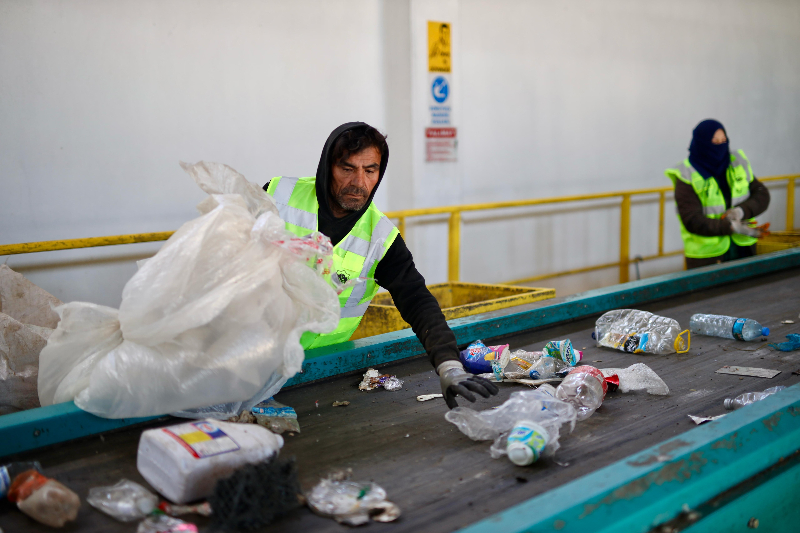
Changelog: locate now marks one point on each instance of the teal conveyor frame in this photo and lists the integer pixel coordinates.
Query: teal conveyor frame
(743, 458)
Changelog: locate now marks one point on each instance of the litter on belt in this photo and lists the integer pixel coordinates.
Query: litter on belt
(374, 379)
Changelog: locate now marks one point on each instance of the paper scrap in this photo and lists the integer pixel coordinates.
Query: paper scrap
(341, 403)
(749, 371)
(702, 419)
(426, 397)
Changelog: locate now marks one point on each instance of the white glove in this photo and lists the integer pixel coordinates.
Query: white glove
(734, 213)
(744, 229)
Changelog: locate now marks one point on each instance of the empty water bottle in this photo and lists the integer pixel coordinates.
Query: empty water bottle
(728, 327)
(749, 397)
(584, 388)
(634, 331)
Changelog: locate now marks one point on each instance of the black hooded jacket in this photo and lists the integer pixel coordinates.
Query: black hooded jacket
(396, 271)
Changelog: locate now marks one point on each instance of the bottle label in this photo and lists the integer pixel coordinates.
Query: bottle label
(530, 438)
(737, 329)
(5, 481)
(633, 343)
(202, 439)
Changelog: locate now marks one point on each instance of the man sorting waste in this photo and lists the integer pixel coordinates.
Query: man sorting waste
(338, 203)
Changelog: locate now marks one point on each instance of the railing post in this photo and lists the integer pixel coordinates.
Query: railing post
(401, 225)
(624, 237)
(661, 223)
(453, 246)
(790, 205)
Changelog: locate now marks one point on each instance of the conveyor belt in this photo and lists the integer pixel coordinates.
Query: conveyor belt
(441, 479)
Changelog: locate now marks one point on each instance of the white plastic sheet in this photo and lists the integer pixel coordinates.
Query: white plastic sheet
(213, 319)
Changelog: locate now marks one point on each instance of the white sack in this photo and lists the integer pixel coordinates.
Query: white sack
(20, 345)
(26, 302)
(215, 317)
(27, 319)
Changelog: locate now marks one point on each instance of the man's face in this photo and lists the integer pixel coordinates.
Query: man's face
(353, 180)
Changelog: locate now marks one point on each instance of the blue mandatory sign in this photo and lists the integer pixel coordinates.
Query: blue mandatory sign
(440, 89)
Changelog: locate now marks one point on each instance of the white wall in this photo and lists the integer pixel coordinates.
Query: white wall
(100, 100)
(571, 96)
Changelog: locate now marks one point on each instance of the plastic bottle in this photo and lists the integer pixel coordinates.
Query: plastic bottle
(45, 500)
(526, 442)
(530, 408)
(749, 397)
(634, 331)
(12, 470)
(584, 388)
(728, 327)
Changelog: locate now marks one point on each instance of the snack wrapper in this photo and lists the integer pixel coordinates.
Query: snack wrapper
(478, 358)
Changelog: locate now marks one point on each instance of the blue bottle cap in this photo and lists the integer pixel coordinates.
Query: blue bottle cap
(764, 331)
(594, 336)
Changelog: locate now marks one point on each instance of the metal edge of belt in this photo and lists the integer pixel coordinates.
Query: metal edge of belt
(44, 426)
(675, 478)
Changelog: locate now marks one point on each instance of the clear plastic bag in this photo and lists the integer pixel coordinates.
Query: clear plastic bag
(213, 319)
(126, 501)
(351, 502)
(537, 406)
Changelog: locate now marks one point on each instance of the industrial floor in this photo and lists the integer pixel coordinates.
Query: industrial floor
(442, 480)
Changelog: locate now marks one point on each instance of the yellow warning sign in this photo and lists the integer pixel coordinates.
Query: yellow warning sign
(438, 46)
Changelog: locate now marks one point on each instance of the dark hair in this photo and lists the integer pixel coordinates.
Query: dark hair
(357, 139)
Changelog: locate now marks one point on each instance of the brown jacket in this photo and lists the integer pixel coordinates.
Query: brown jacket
(690, 209)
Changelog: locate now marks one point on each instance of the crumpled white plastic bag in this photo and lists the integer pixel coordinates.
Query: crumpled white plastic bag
(213, 319)
(638, 376)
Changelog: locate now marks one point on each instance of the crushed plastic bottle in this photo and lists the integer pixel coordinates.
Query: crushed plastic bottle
(10, 471)
(585, 388)
(727, 327)
(750, 397)
(523, 407)
(634, 331)
(126, 501)
(45, 500)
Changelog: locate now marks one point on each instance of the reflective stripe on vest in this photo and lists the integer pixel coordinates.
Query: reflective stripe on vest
(739, 175)
(354, 255)
(292, 215)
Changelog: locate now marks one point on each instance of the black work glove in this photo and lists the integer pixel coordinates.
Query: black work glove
(457, 382)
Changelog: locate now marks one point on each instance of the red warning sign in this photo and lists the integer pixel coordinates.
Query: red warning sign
(440, 145)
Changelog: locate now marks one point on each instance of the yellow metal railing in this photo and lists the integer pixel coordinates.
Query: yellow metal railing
(454, 229)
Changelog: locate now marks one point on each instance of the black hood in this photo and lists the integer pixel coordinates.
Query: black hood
(337, 228)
